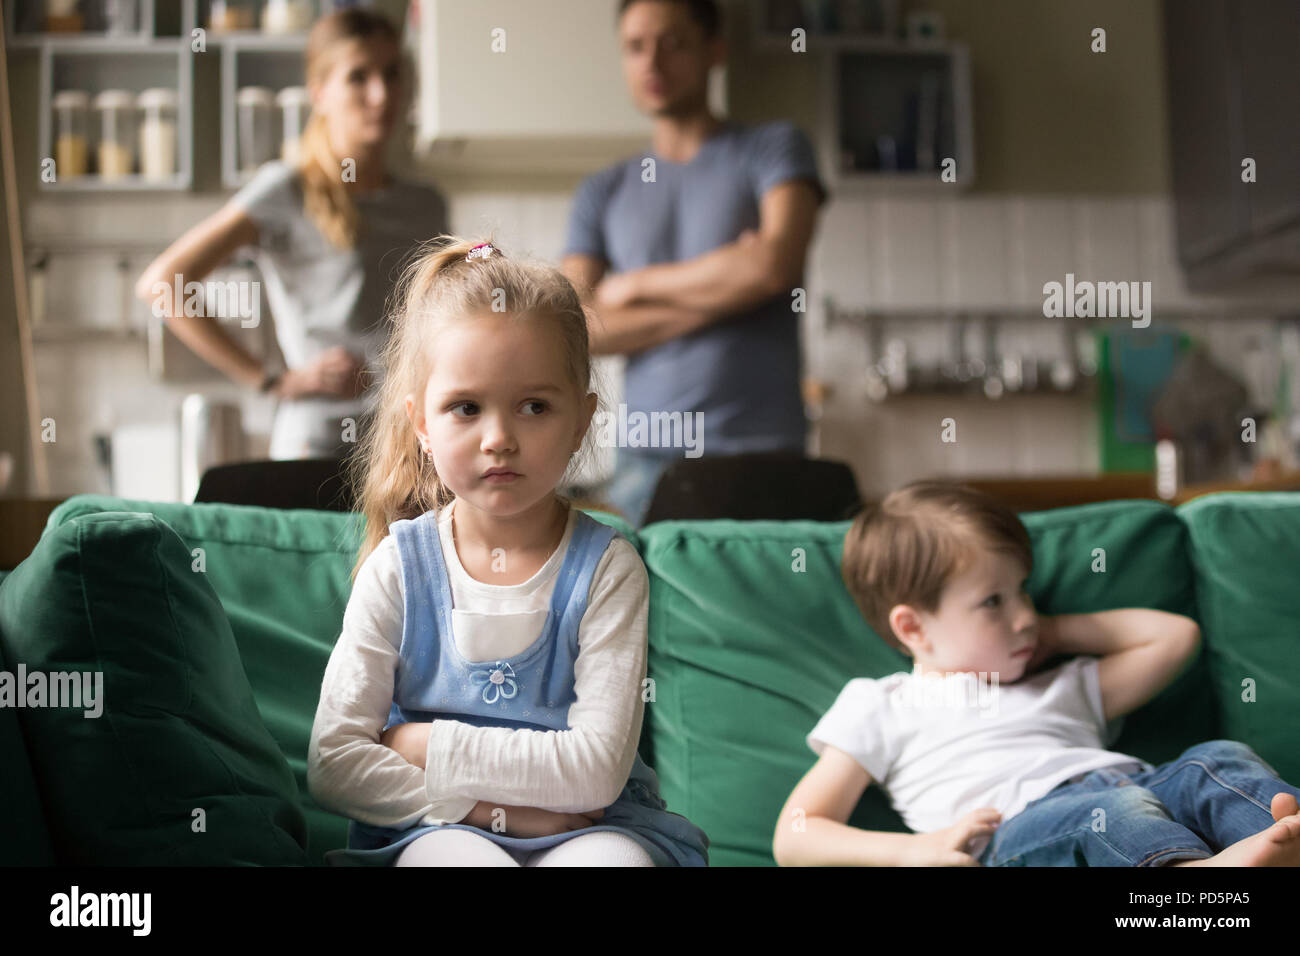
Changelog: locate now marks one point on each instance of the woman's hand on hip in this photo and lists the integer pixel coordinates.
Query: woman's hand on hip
(335, 373)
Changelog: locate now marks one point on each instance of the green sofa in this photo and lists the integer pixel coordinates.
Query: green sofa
(212, 625)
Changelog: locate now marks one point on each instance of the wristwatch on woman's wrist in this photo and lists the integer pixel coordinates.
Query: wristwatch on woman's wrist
(269, 381)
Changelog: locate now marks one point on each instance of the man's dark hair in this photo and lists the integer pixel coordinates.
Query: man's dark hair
(703, 12)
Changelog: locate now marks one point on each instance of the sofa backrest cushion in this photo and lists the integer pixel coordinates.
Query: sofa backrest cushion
(169, 763)
(283, 577)
(1147, 562)
(24, 838)
(1246, 558)
(753, 635)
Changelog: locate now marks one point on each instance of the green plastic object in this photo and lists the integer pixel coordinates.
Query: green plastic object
(1117, 419)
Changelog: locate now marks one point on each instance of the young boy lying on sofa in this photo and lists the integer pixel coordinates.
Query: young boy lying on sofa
(991, 763)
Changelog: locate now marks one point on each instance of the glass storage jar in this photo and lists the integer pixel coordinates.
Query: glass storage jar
(255, 110)
(226, 16)
(157, 133)
(294, 105)
(71, 133)
(62, 16)
(115, 110)
(121, 16)
(286, 16)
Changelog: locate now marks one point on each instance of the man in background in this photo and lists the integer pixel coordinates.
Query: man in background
(690, 256)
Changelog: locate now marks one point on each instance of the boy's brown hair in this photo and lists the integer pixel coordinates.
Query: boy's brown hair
(905, 549)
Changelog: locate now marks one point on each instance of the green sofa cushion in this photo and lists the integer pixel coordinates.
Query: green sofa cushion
(283, 577)
(1246, 556)
(745, 653)
(24, 838)
(752, 636)
(178, 730)
(1147, 564)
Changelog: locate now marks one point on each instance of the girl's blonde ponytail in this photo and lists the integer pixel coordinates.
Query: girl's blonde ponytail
(392, 479)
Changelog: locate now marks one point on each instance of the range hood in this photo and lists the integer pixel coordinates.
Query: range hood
(525, 87)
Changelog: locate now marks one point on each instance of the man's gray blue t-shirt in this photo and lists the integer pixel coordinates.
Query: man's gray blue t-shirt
(742, 372)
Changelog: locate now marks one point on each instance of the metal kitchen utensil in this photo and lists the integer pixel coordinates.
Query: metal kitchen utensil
(212, 433)
(994, 386)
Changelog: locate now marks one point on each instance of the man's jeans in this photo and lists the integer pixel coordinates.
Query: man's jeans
(1215, 794)
(633, 483)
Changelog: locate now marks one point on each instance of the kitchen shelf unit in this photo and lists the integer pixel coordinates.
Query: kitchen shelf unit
(915, 97)
(155, 55)
(160, 54)
(773, 22)
(132, 65)
(252, 60)
(23, 19)
(891, 109)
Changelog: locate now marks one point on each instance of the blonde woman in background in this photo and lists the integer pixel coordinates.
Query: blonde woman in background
(329, 235)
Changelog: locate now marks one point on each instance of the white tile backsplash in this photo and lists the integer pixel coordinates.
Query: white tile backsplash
(909, 258)
(1158, 254)
(928, 256)
(909, 250)
(1106, 240)
(842, 259)
(1041, 246)
(974, 247)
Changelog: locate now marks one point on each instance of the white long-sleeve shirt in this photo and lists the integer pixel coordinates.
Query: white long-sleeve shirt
(351, 773)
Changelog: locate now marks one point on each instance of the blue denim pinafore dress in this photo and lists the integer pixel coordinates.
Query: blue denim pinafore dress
(530, 690)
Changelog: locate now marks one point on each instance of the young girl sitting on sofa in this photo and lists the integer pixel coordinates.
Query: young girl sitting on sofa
(483, 703)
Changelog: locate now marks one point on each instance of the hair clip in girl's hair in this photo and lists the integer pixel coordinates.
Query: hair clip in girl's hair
(483, 250)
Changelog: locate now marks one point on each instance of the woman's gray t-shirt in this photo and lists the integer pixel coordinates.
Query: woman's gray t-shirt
(321, 296)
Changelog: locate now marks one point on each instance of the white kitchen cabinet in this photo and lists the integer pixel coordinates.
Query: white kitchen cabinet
(522, 85)
(895, 114)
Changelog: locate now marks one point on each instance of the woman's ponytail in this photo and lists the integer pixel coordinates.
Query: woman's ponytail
(325, 198)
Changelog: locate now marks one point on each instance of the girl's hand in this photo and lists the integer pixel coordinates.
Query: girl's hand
(947, 847)
(529, 821)
(411, 740)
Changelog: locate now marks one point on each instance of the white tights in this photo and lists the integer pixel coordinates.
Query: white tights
(463, 848)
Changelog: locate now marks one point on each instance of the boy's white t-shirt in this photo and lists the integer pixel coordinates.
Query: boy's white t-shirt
(942, 746)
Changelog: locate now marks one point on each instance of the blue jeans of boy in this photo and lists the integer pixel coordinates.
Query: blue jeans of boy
(1215, 794)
